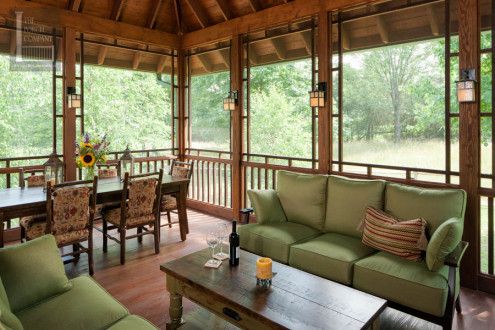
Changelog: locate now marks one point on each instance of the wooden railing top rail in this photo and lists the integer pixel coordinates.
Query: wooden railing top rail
(13, 159)
(209, 159)
(279, 167)
(392, 167)
(17, 169)
(297, 159)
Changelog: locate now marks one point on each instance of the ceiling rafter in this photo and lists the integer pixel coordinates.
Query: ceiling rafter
(198, 12)
(255, 5)
(205, 62)
(136, 60)
(225, 55)
(154, 14)
(115, 14)
(177, 12)
(161, 64)
(74, 5)
(432, 19)
(224, 8)
(306, 37)
(279, 47)
(345, 38)
(382, 29)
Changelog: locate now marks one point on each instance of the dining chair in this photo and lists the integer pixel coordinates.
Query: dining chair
(139, 207)
(106, 171)
(33, 180)
(70, 209)
(169, 201)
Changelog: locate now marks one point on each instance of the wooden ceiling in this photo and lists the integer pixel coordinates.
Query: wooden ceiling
(150, 21)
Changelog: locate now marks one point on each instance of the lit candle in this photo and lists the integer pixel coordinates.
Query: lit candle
(264, 268)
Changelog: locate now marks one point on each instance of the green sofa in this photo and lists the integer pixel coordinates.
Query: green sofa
(311, 222)
(35, 293)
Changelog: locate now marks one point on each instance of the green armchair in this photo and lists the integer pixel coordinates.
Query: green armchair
(35, 293)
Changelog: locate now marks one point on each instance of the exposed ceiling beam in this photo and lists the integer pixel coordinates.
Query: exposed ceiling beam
(205, 62)
(57, 17)
(255, 5)
(136, 60)
(102, 54)
(382, 29)
(117, 7)
(198, 12)
(224, 54)
(264, 19)
(161, 64)
(74, 5)
(154, 14)
(279, 47)
(346, 40)
(253, 56)
(434, 25)
(224, 8)
(306, 37)
(177, 13)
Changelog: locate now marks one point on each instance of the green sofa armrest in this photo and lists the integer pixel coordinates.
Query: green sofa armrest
(454, 258)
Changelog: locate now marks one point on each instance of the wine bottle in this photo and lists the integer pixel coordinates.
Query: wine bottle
(234, 246)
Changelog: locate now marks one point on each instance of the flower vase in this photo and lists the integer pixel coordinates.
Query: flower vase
(89, 173)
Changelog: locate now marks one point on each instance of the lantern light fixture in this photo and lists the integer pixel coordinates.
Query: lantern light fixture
(53, 170)
(126, 163)
(231, 101)
(73, 99)
(317, 97)
(466, 86)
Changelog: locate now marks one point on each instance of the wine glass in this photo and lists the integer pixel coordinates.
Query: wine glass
(222, 234)
(212, 241)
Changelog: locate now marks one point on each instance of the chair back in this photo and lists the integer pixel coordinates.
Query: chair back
(140, 196)
(71, 206)
(106, 171)
(33, 180)
(182, 169)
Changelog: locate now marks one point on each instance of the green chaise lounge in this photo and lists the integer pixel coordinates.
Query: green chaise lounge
(35, 293)
(311, 222)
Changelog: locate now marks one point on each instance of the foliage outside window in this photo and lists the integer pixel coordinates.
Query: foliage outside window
(133, 108)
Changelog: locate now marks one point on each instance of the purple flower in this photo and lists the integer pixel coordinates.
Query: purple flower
(86, 138)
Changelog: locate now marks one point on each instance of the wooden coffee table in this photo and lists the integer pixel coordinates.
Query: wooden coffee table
(296, 299)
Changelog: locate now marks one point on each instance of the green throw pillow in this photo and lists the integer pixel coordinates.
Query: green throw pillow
(32, 272)
(443, 241)
(7, 319)
(267, 206)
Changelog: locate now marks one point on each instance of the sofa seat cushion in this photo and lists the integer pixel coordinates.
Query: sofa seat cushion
(406, 282)
(132, 322)
(347, 200)
(331, 256)
(303, 197)
(274, 240)
(86, 306)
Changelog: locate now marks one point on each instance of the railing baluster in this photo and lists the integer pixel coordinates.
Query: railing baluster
(219, 183)
(203, 181)
(259, 178)
(490, 236)
(226, 184)
(213, 193)
(7, 165)
(197, 181)
(208, 182)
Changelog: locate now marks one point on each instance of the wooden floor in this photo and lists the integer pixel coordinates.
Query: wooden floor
(140, 285)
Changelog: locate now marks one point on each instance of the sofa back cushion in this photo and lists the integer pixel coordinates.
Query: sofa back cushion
(303, 197)
(433, 205)
(267, 207)
(32, 271)
(347, 200)
(7, 318)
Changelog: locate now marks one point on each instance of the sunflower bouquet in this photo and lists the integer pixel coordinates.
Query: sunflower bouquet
(90, 151)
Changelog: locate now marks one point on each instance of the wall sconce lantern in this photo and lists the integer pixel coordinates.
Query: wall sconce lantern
(230, 101)
(73, 99)
(317, 97)
(466, 86)
(126, 163)
(53, 170)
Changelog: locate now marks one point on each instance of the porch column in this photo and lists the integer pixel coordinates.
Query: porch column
(469, 139)
(324, 113)
(69, 114)
(182, 125)
(237, 84)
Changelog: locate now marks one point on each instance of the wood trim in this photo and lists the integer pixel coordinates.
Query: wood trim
(324, 113)
(57, 17)
(469, 139)
(224, 8)
(198, 12)
(263, 19)
(69, 114)
(237, 84)
(181, 82)
(215, 210)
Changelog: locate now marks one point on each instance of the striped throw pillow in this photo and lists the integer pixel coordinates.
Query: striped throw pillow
(405, 239)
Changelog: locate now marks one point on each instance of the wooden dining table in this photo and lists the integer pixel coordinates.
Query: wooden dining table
(21, 202)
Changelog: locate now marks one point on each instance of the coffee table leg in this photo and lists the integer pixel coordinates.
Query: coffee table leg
(175, 309)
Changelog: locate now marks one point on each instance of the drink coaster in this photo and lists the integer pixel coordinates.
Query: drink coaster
(212, 263)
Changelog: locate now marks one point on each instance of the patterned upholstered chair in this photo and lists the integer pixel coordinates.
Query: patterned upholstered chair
(139, 207)
(69, 217)
(33, 222)
(169, 202)
(106, 171)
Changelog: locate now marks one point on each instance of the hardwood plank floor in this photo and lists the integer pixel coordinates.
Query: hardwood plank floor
(140, 285)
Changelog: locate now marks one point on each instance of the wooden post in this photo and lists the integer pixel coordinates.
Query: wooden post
(324, 113)
(237, 84)
(182, 125)
(69, 115)
(469, 139)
